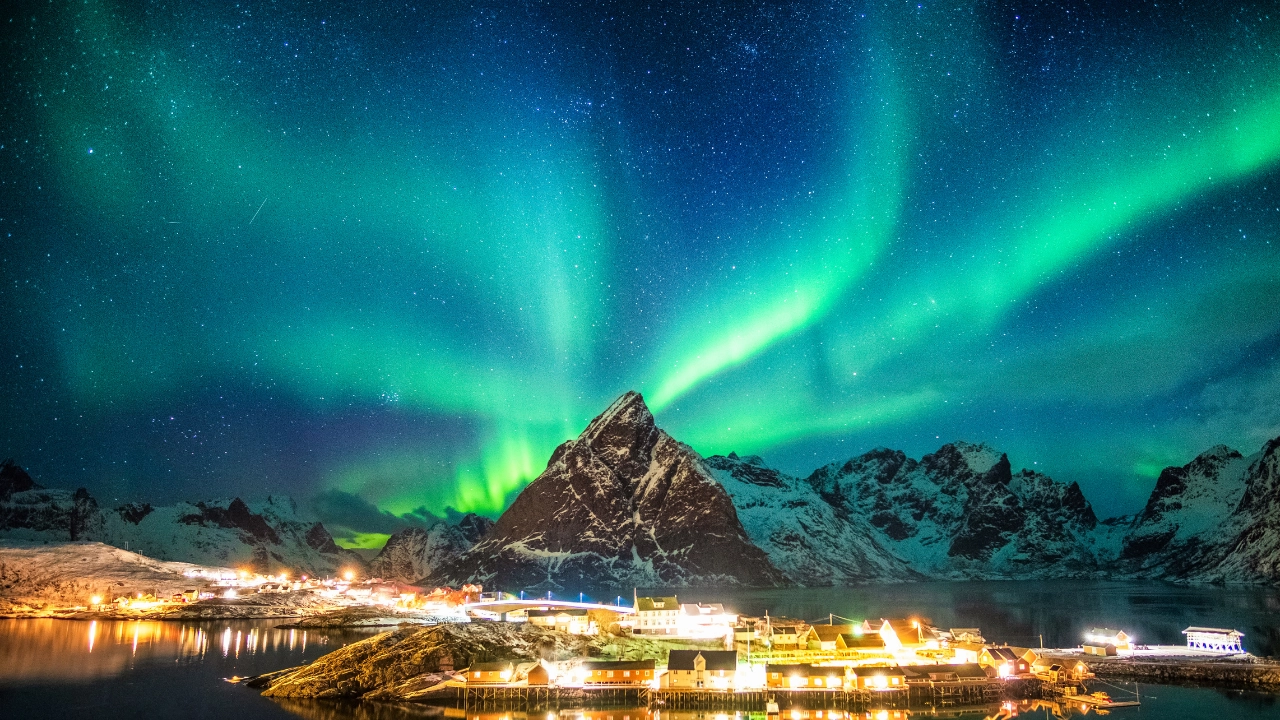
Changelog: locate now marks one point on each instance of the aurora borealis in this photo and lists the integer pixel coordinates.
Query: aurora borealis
(385, 257)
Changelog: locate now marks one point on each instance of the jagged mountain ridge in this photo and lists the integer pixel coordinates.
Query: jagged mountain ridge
(801, 532)
(623, 504)
(961, 512)
(267, 536)
(414, 553)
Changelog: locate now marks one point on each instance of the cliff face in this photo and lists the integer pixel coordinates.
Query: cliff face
(962, 513)
(413, 554)
(803, 534)
(622, 505)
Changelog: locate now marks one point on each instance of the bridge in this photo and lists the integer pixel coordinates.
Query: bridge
(509, 604)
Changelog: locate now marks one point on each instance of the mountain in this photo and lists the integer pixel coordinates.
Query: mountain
(414, 553)
(961, 512)
(622, 505)
(1215, 519)
(1181, 527)
(266, 536)
(803, 534)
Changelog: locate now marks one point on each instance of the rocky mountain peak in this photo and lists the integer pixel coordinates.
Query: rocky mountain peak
(622, 504)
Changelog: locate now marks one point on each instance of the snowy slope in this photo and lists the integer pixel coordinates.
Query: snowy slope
(412, 554)
(37, 574)
(266, 536)
(800, 531)
(1188, 516)
(961, 513)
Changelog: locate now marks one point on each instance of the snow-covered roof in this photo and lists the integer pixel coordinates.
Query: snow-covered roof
(1212, 631)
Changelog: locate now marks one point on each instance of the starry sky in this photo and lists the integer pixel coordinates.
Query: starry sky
(384, 257)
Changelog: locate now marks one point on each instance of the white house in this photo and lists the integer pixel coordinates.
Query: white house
(1215, 639)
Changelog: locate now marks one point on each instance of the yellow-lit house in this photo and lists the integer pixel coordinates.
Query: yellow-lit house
(490, 673)
(714, 669)
(657, 616)
(877, 678)
(616, 673)
(806, 676)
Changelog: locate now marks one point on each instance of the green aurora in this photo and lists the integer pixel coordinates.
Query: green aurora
(401, 256)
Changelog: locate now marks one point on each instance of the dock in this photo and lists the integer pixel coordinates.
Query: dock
(527, 698)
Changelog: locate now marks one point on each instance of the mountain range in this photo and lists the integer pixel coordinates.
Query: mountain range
(624, 504)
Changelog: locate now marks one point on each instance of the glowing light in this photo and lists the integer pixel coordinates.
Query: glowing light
(348, 576)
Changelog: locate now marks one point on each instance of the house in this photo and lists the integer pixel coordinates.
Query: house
(910, 634)
(704, 620)
(571, 620)
(618, 672)
(715, 669)
(1102, 637)
(966, 652)
(872, 644)
(1100, 650)
(1215, 639)
(783, 637)
(1065, 673)
(827, 637)
(970, 635)
(799, 676)
(878, 678)
(539, 675)
(657, 616)
(490, 673)
(786, 675)
(960, 673)
(1005, 661)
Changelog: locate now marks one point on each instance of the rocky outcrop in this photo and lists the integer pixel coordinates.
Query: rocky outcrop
(802, 533)
(1253, 554)
(406, 663)
(622, 505)
(962, 513)
(415, 553)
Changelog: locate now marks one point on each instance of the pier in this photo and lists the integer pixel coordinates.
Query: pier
(526, 698)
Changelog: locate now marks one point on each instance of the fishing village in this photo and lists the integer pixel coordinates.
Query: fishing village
(505, 653)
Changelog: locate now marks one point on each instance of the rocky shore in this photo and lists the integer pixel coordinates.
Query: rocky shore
(1246, 674)
(411, 663)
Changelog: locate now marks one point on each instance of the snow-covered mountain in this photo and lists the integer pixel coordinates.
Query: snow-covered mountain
(267, 536)
(805, 536)
(1214, 519)
(414, 553)
(624, 504)
(962, 513)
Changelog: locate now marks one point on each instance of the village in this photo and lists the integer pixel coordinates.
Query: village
(710, 656)
(842, 663)
(714, 657)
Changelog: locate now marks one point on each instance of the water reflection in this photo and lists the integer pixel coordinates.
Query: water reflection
(43, 650)
(1031, 709)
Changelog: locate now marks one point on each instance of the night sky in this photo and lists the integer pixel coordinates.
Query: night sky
(385, 257)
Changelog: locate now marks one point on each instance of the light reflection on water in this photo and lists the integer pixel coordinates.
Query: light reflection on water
(120, 669)
(62, 650)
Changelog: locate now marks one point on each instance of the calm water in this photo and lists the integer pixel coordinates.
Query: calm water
(1019, 613)
(61, 669)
